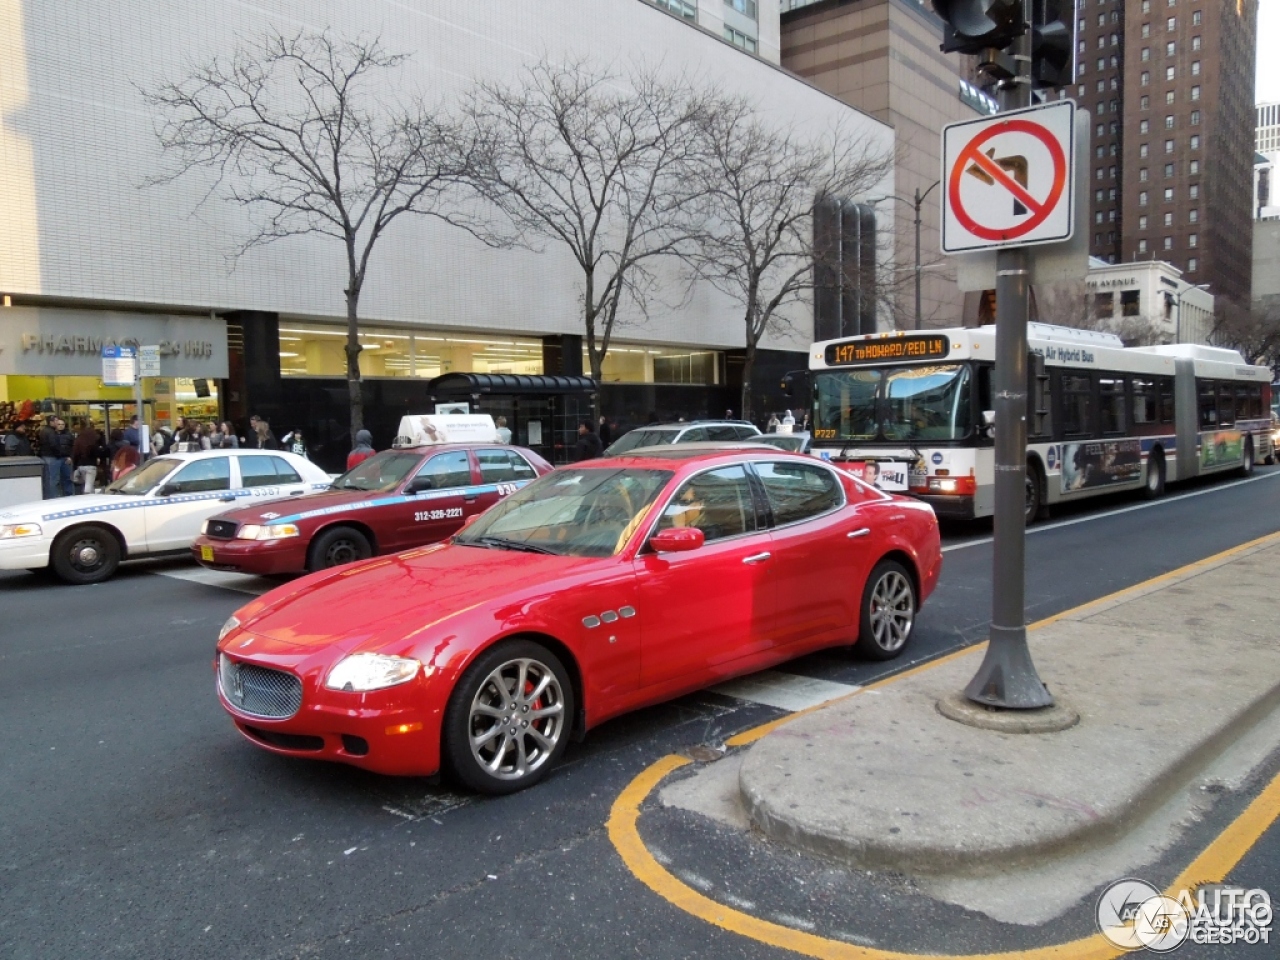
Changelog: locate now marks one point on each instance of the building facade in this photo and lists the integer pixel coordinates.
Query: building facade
(91, 249)
(1266, 199)
(1169, 85)
(883, 57)
(751, 25)
(1148, 301)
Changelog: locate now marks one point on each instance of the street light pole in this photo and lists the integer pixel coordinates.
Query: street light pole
(916, 206)
(919, 202)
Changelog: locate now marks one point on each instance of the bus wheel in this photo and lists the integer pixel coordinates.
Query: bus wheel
(1154, 487)
(1037, 509)
(1246, 468)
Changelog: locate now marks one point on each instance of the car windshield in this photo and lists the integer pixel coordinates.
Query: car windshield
(381, 473)
(140, 482)
(576, 513)
(915, 403)
(642, 437)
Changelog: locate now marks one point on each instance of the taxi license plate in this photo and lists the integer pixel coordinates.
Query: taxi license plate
(206, 553)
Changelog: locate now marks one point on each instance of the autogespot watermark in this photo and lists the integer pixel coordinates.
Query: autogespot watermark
(1134, 915)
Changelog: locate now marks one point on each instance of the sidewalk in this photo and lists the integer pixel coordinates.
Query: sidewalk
(1165, 678)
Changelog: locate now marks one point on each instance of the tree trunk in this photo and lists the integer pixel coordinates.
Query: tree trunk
(748, 365)
(354, 386)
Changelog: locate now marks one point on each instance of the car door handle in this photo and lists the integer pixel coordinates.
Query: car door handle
(855, 534)
(757, 557)
(296, 493)
(469, 499)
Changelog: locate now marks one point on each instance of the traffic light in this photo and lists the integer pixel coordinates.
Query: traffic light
(1052, 45)
(976, 25)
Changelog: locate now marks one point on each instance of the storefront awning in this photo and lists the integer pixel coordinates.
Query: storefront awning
(509, 384)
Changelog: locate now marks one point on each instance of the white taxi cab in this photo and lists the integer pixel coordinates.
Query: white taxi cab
(158, 508)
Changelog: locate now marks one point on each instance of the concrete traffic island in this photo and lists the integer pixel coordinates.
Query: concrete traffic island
(1164, 678)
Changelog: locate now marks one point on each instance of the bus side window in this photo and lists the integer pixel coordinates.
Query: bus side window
(1165, 385)
(1208, 404)
(1077, 405)
(1226, 405)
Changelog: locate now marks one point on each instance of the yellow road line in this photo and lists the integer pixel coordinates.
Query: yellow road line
(1211, 866)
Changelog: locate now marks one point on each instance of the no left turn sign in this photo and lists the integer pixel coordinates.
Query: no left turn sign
(1008, 180)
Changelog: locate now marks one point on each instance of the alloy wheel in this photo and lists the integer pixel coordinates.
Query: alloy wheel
(893, 610)
(516, 719)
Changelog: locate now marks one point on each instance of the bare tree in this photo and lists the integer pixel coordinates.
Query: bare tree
(292, 128)
(759, 186)
(1253, 330)
(598, 163)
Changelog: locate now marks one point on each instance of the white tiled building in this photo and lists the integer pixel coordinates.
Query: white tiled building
(81, 231)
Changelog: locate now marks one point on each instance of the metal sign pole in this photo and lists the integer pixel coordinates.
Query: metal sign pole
(1007, 677)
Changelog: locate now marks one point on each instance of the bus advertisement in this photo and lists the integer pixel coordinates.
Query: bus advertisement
(912, 412)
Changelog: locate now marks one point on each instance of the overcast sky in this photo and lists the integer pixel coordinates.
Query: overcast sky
(1268, 90)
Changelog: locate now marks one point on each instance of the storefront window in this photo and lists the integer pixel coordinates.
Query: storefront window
(319, 350)
(314, 350)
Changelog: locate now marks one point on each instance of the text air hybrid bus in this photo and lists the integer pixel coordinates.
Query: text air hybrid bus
(915, 409)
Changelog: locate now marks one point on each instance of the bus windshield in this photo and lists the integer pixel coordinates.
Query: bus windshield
(914, 403)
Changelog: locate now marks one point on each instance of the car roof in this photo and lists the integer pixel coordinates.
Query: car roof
(671, 456)
(682, 424)
(685, 450)
(452, 445)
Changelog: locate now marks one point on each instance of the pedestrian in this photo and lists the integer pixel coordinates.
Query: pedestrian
(161, 440)
(132, 436)
(588, 446)
(773, 424)
(362, 451)
(125, 459)
(263, 438)
(55, 449)
(86, 452)
(606, 434)
(788, 424)
(504, 432)
(224, 438)
(16, 443)
(294, 442)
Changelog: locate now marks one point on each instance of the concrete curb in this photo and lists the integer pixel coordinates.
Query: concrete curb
(796, 806)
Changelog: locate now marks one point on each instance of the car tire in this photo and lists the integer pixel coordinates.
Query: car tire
(888, 612)
(1153, 486)
(492, 742)
(1246, 468)
(338, 546)
(85, 554)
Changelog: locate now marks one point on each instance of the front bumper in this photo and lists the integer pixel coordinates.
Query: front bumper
(264, 557)
(395, 731)
(24, 553)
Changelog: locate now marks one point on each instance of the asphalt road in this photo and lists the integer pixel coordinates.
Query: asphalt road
(135, 823)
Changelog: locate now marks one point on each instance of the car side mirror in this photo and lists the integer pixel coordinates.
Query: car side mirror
(418, 484)
(677, 540)
(989, 422)
(167, 490)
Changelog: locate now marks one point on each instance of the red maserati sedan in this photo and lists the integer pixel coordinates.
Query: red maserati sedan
(594, 590)
(398, 499)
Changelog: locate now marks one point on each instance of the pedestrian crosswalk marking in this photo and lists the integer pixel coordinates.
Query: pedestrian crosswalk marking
(240, 582)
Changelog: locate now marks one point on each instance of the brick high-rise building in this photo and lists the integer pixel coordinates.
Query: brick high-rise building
(1170, 86)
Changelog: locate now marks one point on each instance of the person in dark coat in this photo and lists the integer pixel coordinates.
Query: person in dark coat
(606, 433)
(362, 451)
(588, 446)
(16, 444)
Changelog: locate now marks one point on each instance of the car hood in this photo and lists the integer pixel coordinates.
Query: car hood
(381, 603)
(329, 501)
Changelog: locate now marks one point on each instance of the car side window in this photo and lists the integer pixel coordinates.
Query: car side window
(497, 466)
(798, 491)
(445, 471)
(693, 435)
(257, 472)
(746, 433)
(284, 471)
(202, 476)
(722, 433)
(717, 502)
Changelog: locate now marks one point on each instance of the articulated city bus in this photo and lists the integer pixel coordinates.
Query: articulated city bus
(915, 411)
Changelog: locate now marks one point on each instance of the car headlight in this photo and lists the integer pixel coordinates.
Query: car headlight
(12, 531)
(371, 671)
(274, 531)
(227, 627)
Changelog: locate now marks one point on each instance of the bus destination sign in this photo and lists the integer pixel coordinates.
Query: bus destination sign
(848, 353)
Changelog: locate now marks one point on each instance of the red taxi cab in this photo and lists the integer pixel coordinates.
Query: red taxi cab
(395, 500)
